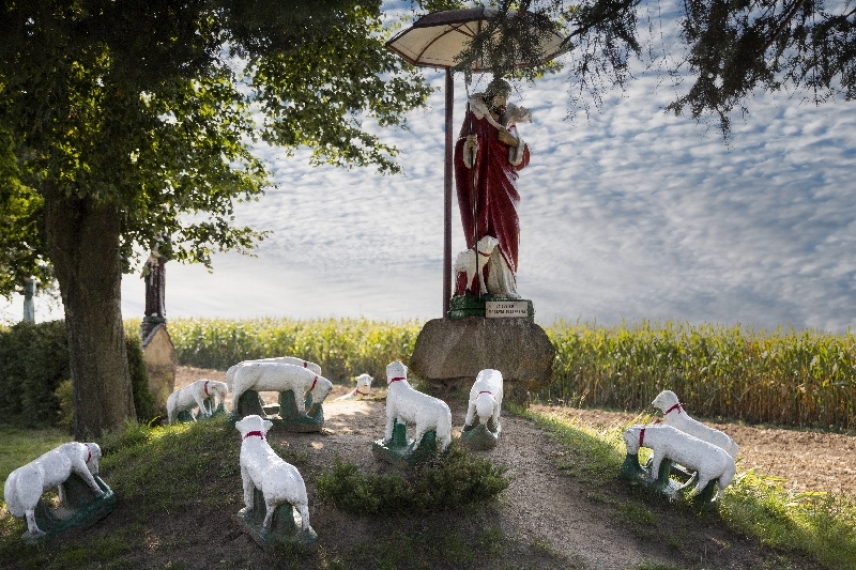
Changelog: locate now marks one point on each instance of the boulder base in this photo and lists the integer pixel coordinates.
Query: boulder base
(450, 353)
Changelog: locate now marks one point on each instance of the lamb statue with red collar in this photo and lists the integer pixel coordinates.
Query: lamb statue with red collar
(261, 468)
(408, 406)
(26, 485)
(485, 401)
(710, 462)
(667, 402)
(364, 387)
(196, 394)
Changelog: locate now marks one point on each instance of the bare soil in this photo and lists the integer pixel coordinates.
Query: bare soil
(545, 506)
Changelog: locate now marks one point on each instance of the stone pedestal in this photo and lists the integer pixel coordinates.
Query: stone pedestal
(161, 362)
(400, 450)
(285, 415)
(284, 529)
(450, 353)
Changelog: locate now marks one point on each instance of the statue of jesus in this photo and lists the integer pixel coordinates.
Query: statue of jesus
(488, 155)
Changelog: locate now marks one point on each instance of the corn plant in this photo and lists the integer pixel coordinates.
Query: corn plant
(805, 379)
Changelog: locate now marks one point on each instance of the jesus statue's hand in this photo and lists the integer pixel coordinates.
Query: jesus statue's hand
(507, 138)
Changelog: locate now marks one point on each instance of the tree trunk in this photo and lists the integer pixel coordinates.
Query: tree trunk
(83, 242)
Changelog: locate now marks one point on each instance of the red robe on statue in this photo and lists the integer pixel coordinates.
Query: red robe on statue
(495, 191)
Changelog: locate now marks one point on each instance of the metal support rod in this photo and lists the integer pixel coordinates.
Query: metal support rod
(447, 194)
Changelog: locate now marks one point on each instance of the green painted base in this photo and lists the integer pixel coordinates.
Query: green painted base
(399, 451)
(463, 306)
(479, 437)
(82, 511)
(284, 528)
(665, 484)
(288, 418)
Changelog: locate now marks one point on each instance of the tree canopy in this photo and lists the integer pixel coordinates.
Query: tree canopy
(728, 48)
(122, 122)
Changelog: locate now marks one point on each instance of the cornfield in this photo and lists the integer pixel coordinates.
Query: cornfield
(342, 347)
(802, 379)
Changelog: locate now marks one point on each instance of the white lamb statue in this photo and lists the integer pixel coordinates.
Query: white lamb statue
(195, 394)
(230, 373)
(676, 416)
(486, 400)
(465, 262)
(364, 388)
(279, 377)
(25, 485)
(707, 460)
(409, 406)
(280, 482)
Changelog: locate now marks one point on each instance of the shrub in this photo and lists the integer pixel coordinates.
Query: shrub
(453, 480)
(35, 389)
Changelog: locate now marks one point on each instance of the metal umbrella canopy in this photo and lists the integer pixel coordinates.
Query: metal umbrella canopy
(437, 40)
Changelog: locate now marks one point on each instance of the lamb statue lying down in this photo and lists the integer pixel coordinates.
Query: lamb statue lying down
(486, 400)
(261, 468)
(195, 394)
(707, 460)
(409, 406)
(364, 387)
(667, 402)
(25, 485)
(278, 377)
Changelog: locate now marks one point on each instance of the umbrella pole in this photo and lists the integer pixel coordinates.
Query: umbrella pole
(447, 194)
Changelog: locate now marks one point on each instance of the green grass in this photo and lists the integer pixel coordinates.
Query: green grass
(20, 446)
(821, 526)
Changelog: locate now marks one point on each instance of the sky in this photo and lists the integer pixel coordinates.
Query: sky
(627, 213)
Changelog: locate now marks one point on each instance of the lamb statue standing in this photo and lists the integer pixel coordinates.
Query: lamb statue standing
(707, 460)
(364, 387)
(196, 394)
(230, 373)
(486, 400)
(667, 402)
(262, 469)
(409, 406)
(279, 377)
(25, 485)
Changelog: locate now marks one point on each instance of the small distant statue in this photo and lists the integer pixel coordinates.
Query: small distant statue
(488, 156)
(363, 389)
(154, 273)
(29, 292)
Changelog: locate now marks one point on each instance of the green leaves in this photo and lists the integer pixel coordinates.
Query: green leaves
(153, 107)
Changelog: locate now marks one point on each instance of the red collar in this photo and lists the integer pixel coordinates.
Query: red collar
(313, 384)
(206, 388)
(673, 408)
(357, 391)
(255, 433)
(89, 456)
(396, 379)
(642, 437)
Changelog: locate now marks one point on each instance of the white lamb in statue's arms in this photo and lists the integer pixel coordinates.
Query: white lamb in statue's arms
(513, 113)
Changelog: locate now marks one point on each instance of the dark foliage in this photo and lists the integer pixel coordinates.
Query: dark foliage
(34, 362)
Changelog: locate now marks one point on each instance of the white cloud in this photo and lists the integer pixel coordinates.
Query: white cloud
(631, 213)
